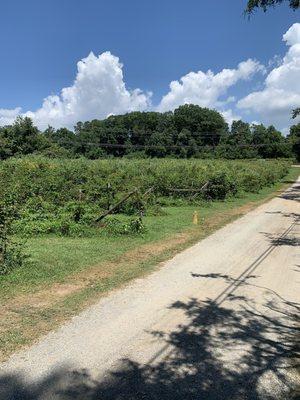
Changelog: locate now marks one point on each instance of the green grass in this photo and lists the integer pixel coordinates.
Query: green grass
(58, 259)
(53, 258)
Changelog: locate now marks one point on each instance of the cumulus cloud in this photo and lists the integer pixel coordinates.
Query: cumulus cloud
(206, 88)
(230, 116)
(98, 91)
(7, 117)
(281, 92)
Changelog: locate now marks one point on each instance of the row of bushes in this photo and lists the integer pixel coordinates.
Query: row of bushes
(62, 181)
(65, 196)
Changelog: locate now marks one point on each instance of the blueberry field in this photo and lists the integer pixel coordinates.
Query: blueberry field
(72, 197)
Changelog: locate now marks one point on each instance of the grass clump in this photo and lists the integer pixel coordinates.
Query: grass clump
(134, 226)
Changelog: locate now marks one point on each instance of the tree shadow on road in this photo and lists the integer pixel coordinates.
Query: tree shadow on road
(294, 216)
(224, 351)
(292, 193)
(277, 240)
(289, 237)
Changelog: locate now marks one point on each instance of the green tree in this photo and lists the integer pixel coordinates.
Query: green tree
(252, 5)
(294, 139)
(239, 143)
(160, 144)
(206, 126)
(270, 142)
(21, 138)
(5, 144)
(186, 145)
(296, 112)
(62, 137)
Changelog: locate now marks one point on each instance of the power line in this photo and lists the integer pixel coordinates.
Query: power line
(146, 146)
(131, 134)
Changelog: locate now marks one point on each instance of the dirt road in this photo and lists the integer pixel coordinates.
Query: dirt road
(219, 321)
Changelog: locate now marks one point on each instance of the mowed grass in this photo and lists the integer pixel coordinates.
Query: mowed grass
(63, 275)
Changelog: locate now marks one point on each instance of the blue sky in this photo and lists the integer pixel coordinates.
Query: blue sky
(157, 42)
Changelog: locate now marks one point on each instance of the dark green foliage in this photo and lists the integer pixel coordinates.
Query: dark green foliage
(294, 140)
(11, 252)
(67, 227)
(265, 4)
(270, 142)
(62, 225)
(205, 126)
(66, 196)
(21, 138)
(134, 205)
(220, 186)
(296, 112)
(239, 143)
(134, 226)
(38, 217)
(189, 131)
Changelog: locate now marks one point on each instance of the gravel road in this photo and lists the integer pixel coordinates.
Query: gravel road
(218, 321)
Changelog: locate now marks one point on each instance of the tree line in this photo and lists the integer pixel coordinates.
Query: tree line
(189, 131)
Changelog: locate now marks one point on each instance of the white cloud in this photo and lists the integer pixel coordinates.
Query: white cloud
(230, 116)
(98, 91)
(206, 88)
(7, 117)
(281, 92)
(292, 36)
